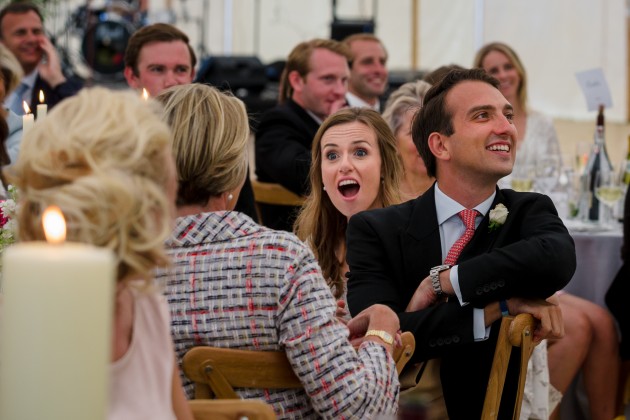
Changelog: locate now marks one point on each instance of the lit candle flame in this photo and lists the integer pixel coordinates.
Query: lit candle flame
(27, 110)
(145, 94)
(54, 225)
(41, 96)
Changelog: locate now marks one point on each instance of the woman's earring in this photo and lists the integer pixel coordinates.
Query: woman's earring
(324, 188)
(230, 197)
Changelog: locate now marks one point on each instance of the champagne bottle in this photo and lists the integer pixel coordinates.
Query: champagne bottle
(598, 162)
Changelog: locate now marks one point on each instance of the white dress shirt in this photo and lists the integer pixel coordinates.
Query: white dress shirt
(451, 229)
(355, 102)
(28, 80)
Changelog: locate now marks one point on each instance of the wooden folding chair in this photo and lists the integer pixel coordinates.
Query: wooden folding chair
(270, 193)
(514, 332)
(231, 410)
(217, 371)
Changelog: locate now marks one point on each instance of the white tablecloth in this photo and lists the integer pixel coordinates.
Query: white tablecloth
(598, 260)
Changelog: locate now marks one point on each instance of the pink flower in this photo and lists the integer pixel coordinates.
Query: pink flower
(3, 219)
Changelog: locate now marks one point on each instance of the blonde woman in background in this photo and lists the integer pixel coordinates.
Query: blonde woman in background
(237, 284)
(104, 159)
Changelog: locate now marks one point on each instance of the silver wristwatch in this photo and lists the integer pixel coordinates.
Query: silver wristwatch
(434, 273)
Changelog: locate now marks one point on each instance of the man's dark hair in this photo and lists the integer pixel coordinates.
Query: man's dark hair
(158, 32)
(19, 8)
(434, 115)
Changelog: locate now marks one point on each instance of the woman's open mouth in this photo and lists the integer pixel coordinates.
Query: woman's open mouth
(348, 188)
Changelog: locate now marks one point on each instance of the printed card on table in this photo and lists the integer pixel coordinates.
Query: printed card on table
(595, 88)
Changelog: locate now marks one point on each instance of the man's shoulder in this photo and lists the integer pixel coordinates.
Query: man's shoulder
(518, 198)
(288, 112)
(290, 118)
(387, 216)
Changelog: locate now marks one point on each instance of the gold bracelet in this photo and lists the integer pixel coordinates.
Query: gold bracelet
(383, 335)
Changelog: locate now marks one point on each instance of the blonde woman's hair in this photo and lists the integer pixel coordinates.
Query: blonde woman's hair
(210, 134)
(100, 156)
(516, 61)
(319, 223)
(11, 70)
(408, 96)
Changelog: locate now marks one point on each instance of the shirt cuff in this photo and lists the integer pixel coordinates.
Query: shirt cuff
(454, 277)
(480, 331)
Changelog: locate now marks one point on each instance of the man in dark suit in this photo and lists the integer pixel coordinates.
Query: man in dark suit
(518, 255)
(312, 87)
(22, 32)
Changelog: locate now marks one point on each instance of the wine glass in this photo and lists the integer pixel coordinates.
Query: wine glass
(609, 190)
(522, 178)
(547, 172)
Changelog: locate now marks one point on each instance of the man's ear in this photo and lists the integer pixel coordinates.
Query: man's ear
(132, 79)
(438, 144)
(296, 81)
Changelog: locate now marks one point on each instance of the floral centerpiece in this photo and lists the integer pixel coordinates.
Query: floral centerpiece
(8, 224)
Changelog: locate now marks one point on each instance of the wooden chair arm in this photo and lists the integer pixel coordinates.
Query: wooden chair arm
(271, 193)
(231, 410)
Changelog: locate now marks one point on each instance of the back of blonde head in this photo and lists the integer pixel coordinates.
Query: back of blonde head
(210, 134)
(11, 70)
(99, 156)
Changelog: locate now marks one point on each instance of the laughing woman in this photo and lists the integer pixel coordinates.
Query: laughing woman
(356, 167)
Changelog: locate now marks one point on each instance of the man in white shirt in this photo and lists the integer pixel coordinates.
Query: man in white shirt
(22, 32)
(368, 71)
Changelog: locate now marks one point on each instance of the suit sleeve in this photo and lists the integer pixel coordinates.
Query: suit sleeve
(538, 261)
(372, 280)
(281, 154)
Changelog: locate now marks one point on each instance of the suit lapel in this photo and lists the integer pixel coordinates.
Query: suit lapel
(420, 241)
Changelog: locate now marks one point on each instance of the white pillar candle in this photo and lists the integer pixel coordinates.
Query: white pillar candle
(42, 111)
(28, 119)
(42, 108)
(55, 337)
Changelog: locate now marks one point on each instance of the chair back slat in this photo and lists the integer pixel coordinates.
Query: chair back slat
(217, 371)
(514, 332)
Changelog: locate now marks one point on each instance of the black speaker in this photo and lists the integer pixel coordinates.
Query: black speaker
(243, 75)
(341, 28)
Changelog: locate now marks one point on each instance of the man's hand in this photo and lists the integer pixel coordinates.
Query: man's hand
(546, 312)
(341, 311)
(425, 294)
(337, 105)
(50, 67)
(423, 297)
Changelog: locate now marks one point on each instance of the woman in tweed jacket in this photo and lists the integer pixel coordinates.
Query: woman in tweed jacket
(237, 284)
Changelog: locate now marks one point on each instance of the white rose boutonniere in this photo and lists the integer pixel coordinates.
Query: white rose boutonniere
(497, 217)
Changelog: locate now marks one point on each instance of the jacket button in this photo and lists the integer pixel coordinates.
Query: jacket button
(440, 342)
(455, 339)
(431, 343)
